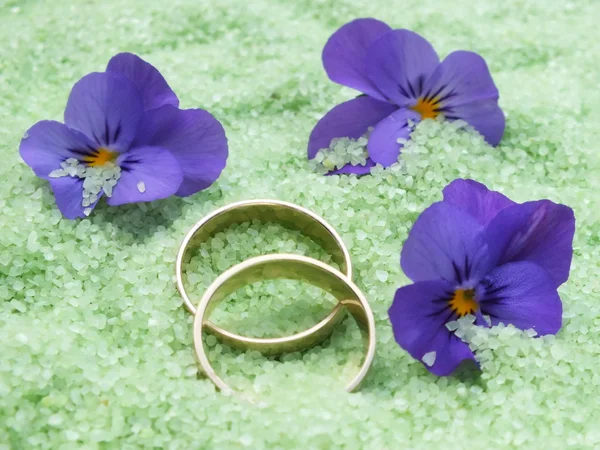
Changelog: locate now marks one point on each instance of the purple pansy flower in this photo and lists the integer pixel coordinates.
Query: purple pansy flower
(478, 252)
(125, 137)
(404, 82)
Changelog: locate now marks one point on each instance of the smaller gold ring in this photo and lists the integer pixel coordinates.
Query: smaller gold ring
(291, 216)
(293, 267)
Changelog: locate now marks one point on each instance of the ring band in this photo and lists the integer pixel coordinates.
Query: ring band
(293, 267)
(289, 215)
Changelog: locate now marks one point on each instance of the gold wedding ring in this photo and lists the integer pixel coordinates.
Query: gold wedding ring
(295, 267)
(290, 216)
(268, 267)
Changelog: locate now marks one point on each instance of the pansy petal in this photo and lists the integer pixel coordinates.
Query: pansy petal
(68, 192)
(48, 143)
(383, 144)
(344, 55)
(540, 232)
(418, 316)
(399, 63)
(476, 199)
(521, 294)
(147, 174)
(195, 138)
(485, 117)
(349, 169)
(350, 119)
(463, 88)
(107, 108)
(445, 243)
(463, 77)
(153, 87)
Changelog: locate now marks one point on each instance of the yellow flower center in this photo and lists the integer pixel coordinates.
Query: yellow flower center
(100, 157)
(428, 108)
(464, 302)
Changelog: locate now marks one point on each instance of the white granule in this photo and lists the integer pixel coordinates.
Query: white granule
(342, 151)
(95, 179)
(429, 358)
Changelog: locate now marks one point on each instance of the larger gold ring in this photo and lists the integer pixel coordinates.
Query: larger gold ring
(289, 215)
(293, 267)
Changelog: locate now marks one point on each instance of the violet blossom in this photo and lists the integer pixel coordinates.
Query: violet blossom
(403, 82)
(125, 138)
(478, 252)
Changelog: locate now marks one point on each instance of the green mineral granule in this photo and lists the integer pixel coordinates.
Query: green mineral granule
(95, 346)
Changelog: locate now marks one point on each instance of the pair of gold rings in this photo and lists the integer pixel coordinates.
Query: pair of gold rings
(273, 266)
